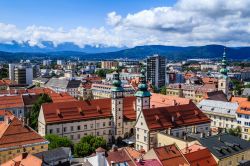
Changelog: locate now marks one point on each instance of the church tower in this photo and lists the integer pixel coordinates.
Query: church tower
(142, 95)
(117, 105)
(223, 81)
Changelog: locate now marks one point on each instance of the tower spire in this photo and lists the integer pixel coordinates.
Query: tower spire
(142, 87)
(117, 84)
(223, 69)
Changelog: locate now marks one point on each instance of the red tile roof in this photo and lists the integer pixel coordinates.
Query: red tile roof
(15, 133)
(170, 155)
(199, 155)
(160, 100)
(23, 160)
(11, 102)
(174, 116)
(244, 108)
(80, 110)
(152, 162)
(120, 156)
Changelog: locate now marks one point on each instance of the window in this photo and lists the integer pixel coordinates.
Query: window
(97, 133)
(85, 126)
(104, 132)
(72, 128)
(78, 127)
(119, 117)
(104, 124)
(71, 136)
(33, 148)
(119, 124)
(64, 129)
(91, 126)
(230, 162)
(137, 136)
(18, 151)
(78, 136)
(141, 123)
(41, 147)
(50, 131)
(109, 132)
(145, 139)
(137, 129)
(109, 123)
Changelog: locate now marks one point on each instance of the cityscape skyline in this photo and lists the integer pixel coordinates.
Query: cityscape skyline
(129, 24)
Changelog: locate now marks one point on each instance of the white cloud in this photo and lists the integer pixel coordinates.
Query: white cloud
(188, 22)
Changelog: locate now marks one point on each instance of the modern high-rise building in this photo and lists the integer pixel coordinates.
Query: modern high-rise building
(156, 70)
(21, 73)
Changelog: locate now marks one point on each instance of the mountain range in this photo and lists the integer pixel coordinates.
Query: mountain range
(16, 51)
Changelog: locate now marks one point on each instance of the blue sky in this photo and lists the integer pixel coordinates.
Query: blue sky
(127, 23)
(70, 13)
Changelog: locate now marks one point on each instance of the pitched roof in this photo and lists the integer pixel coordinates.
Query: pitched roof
(11, 102)
(174, 116)
(81, 110)
(119, 157)
(238, 99)
(63, 83)
(216, 95)
(224, 145)
(221, 107)
(170, 155)
(152, 162)
(54, 154)
(198, 155)
(244, 108)
(24, 160)
(160, 100)
(15, 133)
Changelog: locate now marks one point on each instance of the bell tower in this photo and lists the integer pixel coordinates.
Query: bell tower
(223, 81)
(117, 105)
(142, 95)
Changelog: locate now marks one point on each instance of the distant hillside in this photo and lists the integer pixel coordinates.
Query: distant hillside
(139, 52)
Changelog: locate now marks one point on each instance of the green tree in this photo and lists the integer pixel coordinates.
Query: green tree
(3, 73)
(235, 131)
(163, 90)
(57, 141)
(33, 116)
(102, 72)
(88, 144)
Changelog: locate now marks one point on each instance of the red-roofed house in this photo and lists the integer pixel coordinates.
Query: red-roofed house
(174, 120)
(14, 104)
(16, 138)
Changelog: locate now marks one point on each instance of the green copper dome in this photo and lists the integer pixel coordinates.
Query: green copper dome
(142, 87)
(117, 84)
(224, 69)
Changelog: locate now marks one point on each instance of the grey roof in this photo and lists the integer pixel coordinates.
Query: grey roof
(246, 92)
(63, 83)
(221, 107)
(54, 154)
(224, 145)
(41, 79)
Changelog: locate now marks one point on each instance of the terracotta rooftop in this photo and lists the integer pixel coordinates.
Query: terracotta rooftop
(5, 82)
(238, 99)
(174, 116)
(198, 155)
(14, 133)
(120, 156)
(210, 80)
(24, 160)
(170, 155)
(152, 162)
(244, 108)
(160, 100)
(11, 101)
(134, 153)
(81, 110)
